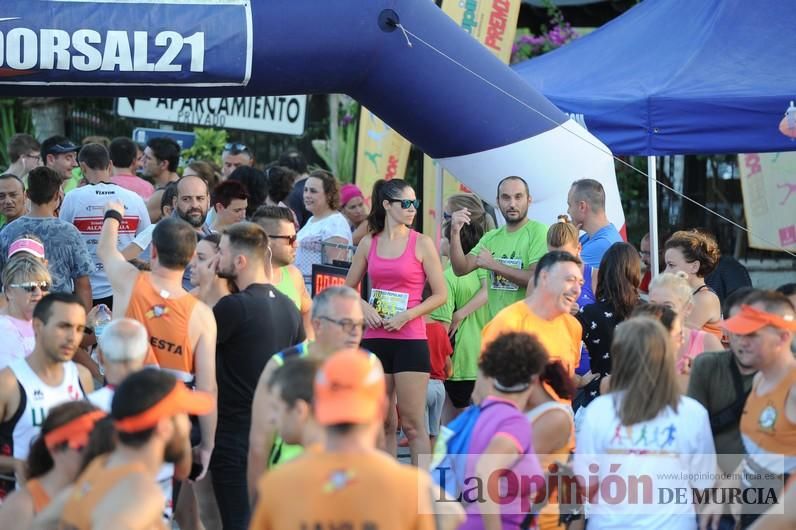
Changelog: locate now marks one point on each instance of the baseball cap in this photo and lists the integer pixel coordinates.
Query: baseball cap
(179, 400)
(66, 146)
(24, 244)
(349, 388)
(748, 320)
(348, 192)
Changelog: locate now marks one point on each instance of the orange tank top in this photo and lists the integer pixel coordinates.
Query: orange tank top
(40, 497)
(714, 329)
(764, 422)
(90, 489)
(166, 321)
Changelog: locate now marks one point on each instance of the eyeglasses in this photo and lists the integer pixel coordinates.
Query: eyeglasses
(30, 287)
(407, 203)
(348, 325)
(235, 147)
(290, 239)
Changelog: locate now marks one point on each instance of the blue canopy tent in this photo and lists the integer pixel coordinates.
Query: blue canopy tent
(679, 77)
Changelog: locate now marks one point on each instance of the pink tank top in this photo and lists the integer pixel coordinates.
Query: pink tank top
(696, 346)
(396, 285)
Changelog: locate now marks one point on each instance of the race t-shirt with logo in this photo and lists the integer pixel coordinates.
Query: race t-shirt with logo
(85, 208)
(36, 398)
(519, 250)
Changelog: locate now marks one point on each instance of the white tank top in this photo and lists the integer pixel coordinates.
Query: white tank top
(36, 400)
(103, 398)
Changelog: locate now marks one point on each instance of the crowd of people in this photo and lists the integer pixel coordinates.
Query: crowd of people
(165, 358)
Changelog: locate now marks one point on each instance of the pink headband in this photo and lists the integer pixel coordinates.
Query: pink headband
(26, 245)
(348, 192)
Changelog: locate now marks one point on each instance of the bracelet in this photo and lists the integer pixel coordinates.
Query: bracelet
(113, 214)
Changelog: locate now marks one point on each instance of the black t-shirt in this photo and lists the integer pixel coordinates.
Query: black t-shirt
(598, 321)
(252, 326)
(296, 202)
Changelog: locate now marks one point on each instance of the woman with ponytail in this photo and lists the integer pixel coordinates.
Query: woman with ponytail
(552, 428)
(399, 261)
(54, 462)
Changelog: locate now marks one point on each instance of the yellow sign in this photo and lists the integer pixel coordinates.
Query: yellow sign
(493, 23)
(768, 183)
(382, 153)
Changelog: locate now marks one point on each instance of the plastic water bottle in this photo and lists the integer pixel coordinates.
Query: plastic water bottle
(101, 320)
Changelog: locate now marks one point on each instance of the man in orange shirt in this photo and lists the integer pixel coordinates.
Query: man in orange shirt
(347, 483)
(545, 313)
(118, 490)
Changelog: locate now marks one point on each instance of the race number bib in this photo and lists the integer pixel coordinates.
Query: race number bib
(501, 283)
(388, 303)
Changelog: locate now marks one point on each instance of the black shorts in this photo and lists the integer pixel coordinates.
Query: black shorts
(460, 393)
(400, 355)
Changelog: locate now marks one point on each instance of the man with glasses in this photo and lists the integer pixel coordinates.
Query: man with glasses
(234, 156)
(12, 198)
(277, 221)
(338, 323)
(24, 154)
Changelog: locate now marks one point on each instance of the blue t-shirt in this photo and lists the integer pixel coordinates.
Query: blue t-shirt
(64, 248)
(595, 246)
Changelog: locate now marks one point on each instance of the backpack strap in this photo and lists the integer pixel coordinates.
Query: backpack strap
(731, 415)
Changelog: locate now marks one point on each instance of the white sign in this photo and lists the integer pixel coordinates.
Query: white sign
(272, 114)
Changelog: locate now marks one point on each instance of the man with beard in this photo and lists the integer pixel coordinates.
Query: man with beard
(720, 381)
(181, 329)
(118, 490)
(30, 386)
(190, 205)
(504, 256)
(253, 324)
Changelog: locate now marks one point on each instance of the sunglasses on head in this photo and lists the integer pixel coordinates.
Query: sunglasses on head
(407, 203)
(290, 239)
(235, 147)
(31, 287)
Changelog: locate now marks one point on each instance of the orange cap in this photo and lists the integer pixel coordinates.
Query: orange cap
(748, 320)
(180, 400)
(75, 431)
(349, 388)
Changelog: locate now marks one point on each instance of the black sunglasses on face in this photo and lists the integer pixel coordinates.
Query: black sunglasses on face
(30, 287)
(290, 239)
(407, 203)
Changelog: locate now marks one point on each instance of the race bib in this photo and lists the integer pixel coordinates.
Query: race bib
(501, 283)
(388, 303)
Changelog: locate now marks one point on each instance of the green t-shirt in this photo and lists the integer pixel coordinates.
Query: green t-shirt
(467, 343)
(519, 249)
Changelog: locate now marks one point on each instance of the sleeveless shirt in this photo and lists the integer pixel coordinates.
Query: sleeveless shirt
(166, 321)
(286, 286)
(36, 400)
(396, 285)
(765, 429)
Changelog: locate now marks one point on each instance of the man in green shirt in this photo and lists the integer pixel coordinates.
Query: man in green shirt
(504, 256)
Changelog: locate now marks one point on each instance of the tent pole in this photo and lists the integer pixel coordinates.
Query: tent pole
(652, 170)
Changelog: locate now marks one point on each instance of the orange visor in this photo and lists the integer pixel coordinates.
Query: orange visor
(75, 432)
(180, 400)
(748, 320)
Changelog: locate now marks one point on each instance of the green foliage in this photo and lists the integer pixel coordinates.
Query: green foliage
(346, 142)
(13, 119)
(528, 45)
(208, 146)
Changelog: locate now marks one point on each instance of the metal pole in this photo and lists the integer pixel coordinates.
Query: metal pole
(440, 205)
(652, 193)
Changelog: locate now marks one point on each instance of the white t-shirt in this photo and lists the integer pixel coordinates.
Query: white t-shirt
(85, 208)
(673, 452)
(17, 341)
(313, 234)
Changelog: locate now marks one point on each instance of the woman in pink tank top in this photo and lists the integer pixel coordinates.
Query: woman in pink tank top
(399, 261)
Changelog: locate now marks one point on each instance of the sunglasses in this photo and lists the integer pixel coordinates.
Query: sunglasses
(290, 239)
(407, 203)
(235, 147)
(30, 287)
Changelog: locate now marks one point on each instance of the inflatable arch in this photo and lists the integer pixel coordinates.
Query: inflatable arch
(405, 60)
